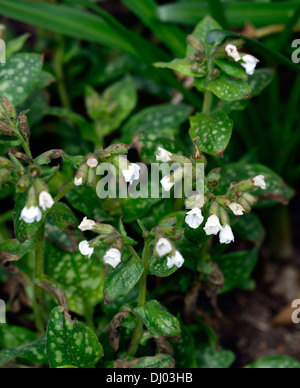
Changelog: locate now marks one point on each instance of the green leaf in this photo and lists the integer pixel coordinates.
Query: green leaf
(48, 156)
(157, 118)
(158, 321)
(212, 131)
(203, 28)
(63, 217)
(160, 361)
(190, 12)
(16, 248)
(34, 352)
(249, 227)
(182, 66)
(232, 69)
(277, 190)
(237, 268)
(71, 342)
(147, 144)
(229, 89)
(184, 351)
(74, 161)
(81, 279)
(111, 108)
(261, 79)
(276, 362)
(169, 34)
(158, 267)
(15, 336)
(210, 358)
(43, 80)
(15, 45)
(18, 76)
(91, 206)
(122, 280)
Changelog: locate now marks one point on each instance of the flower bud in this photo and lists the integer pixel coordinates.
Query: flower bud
(4, 175)
(224, 217)
(7, 107)
(24, 127)
(91, 177)
(195, 201)
(6, 163)
(81, 175)
(23, 184)
(196, 44)
(214, 209)
(251, 199)
(241, 201)
(92, 161)
(5, 128)
(117, 149)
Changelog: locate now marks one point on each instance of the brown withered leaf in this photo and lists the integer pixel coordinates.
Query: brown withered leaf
(164, 346)
(54, 288)
(5, 261)
(114, 329)
(15, 287)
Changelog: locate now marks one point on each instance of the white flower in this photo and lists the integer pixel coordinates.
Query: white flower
(177, 260)
(226, 235)
(132, 174)
(259, 181)
(113, 257)
(232, 52)
(163, 155)
(87, 225)
(30, 215)
(78, 182)
(237, 209)
(85, 249)
(45, 200)
(194, 218)
(167, 185)
(250, 63)
(163, 247)
(92, 162)
(213, 226)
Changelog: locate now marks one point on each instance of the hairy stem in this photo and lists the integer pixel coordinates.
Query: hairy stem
(207, 102)
(64, 192)
(38, 274)
(138, 332)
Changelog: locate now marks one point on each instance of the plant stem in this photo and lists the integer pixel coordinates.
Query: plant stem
(138, 332)
(207, 102)
(64, 192)
(39, 268)
(38, 274)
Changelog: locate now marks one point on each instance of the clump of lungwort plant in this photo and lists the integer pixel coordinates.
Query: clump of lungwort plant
(181, 241)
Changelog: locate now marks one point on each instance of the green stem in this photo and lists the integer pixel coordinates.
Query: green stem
(38, 274)
(208, 98)
(138, 332)
(39, 268)
(59, 72)
(64, 192)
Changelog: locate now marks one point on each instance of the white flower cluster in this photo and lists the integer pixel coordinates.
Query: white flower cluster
(249, 61)
(33, 213)
(194, 218)
(112, 256)
(164, 248)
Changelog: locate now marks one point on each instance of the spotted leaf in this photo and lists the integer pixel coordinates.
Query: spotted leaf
(212, 132)
(18, 76)
(71, 342)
